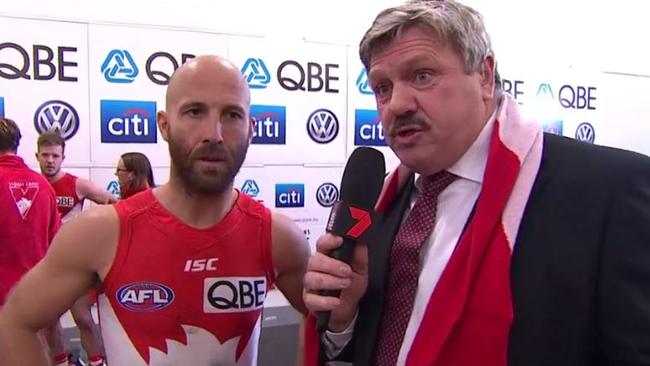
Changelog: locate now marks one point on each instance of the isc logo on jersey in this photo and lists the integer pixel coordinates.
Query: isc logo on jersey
(128, 121)
(144, 296)
(233, 294)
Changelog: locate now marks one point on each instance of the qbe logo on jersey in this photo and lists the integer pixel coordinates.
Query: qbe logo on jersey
(289, 195)
(270, 124)
(367, 128)
(127, 121)
(233, 294)
(2, 107)
(57, 116)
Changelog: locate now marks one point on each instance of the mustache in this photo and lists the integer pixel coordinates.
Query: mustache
(209, 150)
(414, 120)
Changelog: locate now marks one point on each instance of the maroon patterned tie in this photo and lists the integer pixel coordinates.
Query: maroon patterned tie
(405, 268)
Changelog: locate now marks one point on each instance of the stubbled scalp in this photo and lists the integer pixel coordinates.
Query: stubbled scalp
(213, 63)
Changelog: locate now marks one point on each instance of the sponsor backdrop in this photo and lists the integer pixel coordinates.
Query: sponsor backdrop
(101, 86)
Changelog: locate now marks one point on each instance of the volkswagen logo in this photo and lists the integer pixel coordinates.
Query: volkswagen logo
(322, 126)
(327, 194)
(57, 116)
(585, 132)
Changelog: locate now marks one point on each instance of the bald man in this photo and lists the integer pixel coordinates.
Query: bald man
(183, 269)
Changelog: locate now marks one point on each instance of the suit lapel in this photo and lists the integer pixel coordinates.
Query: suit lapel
(367, 326)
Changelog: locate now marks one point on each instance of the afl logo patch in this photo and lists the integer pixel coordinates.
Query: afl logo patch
(144, 296)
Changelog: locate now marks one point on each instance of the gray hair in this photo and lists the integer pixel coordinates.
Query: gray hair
(450, 21)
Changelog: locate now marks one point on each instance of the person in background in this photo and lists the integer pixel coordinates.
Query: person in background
(134, 174)
(499, 244)
(71, 192)
(184, 267)
(29, 220)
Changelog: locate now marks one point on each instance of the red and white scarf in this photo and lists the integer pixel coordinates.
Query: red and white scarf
(468, 317)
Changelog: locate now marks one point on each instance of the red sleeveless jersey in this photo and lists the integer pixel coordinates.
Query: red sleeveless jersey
(176, 295)
(67, 200)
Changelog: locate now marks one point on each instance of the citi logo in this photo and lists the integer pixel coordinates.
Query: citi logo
(367, 128)
(270, 124)
(289, 195)
(126, 121)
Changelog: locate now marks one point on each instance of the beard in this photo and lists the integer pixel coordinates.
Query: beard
(50, 172)
(206, 180)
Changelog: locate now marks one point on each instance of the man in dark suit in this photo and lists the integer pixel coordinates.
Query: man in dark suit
(499, 245)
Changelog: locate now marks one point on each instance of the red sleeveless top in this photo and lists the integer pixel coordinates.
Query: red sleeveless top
(177, 295)
(67, 200)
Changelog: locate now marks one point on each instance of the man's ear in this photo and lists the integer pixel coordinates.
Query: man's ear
(163, 124)
(487, 70)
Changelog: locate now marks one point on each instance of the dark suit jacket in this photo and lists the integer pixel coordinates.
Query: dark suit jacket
(580, 269)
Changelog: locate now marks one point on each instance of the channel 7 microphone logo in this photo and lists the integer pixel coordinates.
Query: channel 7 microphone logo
(270, 124)
(127, 121)
(367, 128)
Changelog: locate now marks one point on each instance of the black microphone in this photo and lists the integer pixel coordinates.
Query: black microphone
(352, 215)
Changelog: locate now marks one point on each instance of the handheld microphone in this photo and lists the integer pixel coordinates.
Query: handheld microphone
(351, 216)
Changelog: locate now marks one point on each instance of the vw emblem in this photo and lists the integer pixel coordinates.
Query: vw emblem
(322, 126)
(327, 194)
(57, 116)
(585, 132)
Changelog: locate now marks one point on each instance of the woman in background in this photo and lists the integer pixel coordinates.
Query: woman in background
(134, 174)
